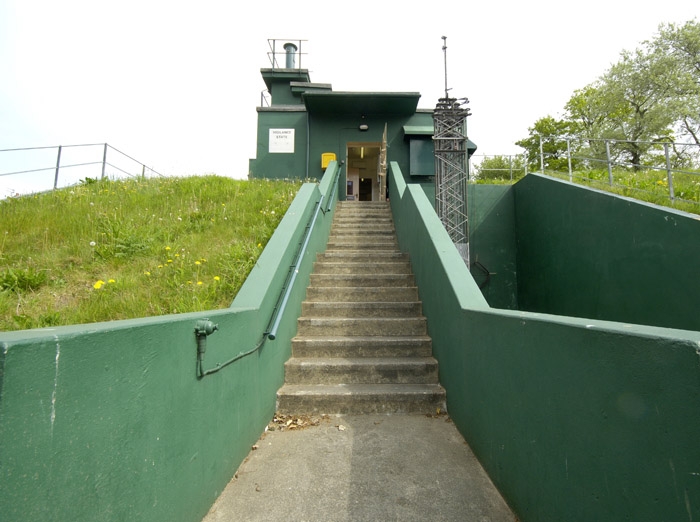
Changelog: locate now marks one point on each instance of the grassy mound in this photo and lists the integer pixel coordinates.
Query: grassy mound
(124, 249)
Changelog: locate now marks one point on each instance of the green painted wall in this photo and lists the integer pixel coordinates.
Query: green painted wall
(109, 421)
(492, 243)
(587, 253)
(573, 419)
(280, 165)
(329, 133)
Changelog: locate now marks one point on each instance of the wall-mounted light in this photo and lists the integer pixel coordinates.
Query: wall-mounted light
(364, 127)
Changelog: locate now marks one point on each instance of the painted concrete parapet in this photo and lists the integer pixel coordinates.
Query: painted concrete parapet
(589, 253)
(111, 421)
(574, 419)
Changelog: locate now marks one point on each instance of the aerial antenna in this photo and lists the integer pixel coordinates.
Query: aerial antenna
(452, 165)
(444, 51)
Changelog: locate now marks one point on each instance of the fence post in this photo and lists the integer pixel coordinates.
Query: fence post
(568, 155)
(58, 166)
(510, 164)
(143, 171)
(669, 173)
(104, 161)
(541, 154)
(607, 156)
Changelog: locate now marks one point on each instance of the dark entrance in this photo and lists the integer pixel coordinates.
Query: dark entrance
(365, 189)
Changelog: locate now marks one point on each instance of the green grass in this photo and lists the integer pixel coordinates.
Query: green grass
(650, 185)
(137, 248)
(646, 185)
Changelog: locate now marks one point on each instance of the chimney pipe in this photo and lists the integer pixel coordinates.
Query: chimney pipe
(291, 49)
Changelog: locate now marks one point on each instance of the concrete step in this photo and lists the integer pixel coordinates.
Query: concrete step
(361, 309)
(360, 280)
(361, 326)
(375, 370)
(354, 267)
(363, 256)
(346, 399)
(362, 346)
(362, 243)
(366, 294)
(362, 343)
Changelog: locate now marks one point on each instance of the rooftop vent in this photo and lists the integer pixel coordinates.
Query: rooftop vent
(291, 50)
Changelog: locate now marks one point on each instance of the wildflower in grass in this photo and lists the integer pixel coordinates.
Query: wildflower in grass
(217, 278)
(197, 263)
(160, 266)
(98, 284)
(167, 248)
(199, 283)
(147, 273)
(259, 245)
(92, 243)
(111, 281)
(170, 260)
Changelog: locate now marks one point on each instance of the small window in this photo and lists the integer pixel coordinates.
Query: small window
(422, 157)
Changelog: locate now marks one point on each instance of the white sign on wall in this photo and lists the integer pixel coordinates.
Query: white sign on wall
(281, 140)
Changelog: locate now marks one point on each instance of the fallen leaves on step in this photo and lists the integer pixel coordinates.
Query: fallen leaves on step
(282, 422)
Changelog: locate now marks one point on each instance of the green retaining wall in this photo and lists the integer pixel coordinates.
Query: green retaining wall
(588, 253)
(573, 419)
(492, 243)
(109, 421)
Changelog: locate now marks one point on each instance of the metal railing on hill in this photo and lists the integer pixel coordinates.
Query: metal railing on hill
(38, 169)
(666, 173)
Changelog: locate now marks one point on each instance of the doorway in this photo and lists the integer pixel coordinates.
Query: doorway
(362, 171)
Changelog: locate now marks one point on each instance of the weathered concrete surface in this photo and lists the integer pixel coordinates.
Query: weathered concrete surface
(362, 468)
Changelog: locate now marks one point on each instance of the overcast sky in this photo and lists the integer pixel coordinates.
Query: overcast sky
(175, 84)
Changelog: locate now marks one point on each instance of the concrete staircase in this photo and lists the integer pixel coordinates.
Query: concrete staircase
(362, 343)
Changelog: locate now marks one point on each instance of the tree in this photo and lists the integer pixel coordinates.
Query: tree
(551, 133)
(682, 45)
(500, 168)
(648, 97)
(636, 95)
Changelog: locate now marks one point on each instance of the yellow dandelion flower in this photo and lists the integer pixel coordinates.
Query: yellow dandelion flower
(170, 260)
(147, 273)
(98, 284)
(111, 281)
(197, 263)
(167, 248)
(199, 283)
(217, 278)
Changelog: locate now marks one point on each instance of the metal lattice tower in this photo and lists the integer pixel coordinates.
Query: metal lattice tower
(451, 167)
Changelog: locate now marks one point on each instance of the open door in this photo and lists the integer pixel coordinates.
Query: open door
(363, 172)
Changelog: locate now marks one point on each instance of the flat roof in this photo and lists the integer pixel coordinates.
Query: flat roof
(361, 102)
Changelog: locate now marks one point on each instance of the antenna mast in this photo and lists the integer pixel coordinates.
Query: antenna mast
(451, 166)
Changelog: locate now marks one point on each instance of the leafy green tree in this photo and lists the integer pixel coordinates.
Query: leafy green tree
(635, 95)
(500, 168)
(682, 45)
(551, 133)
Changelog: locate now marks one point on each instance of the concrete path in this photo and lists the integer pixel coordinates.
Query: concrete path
(362, 468)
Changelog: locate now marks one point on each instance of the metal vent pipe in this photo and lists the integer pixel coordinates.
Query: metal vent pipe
(291, 51)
